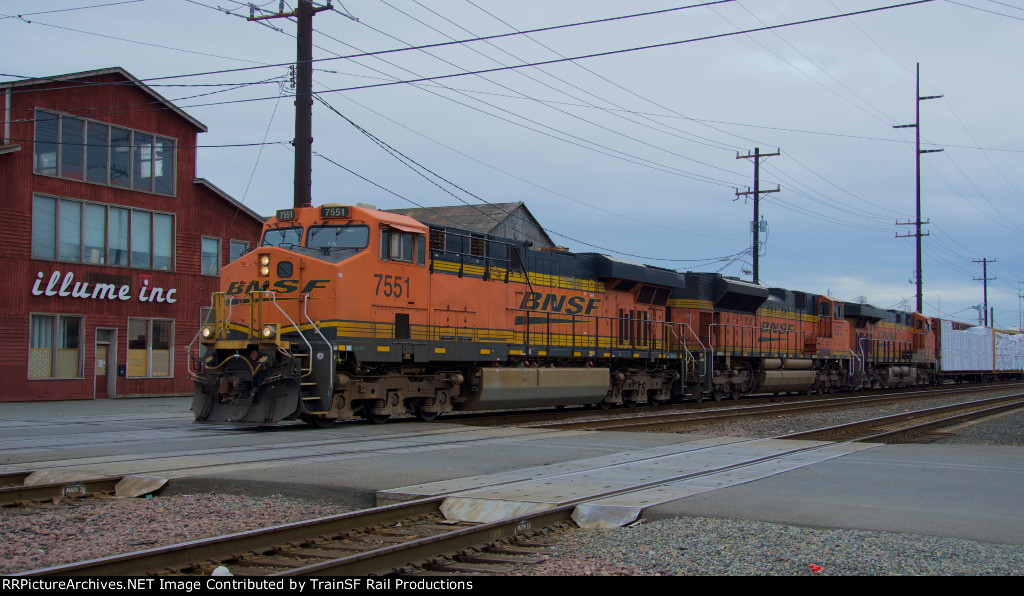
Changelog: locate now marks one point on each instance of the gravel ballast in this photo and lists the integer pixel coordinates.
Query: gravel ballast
(38, 536)
(708, 546)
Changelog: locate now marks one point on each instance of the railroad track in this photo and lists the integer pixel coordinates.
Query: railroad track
(670, 421)
(568, 418)
(410, 538)
(413, 538)
(899, 427)
(13, 489)
(27, 486)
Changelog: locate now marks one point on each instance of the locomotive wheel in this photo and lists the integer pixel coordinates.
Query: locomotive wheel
(318, 421)
(378, 418)
(718, 393)
(604, 405)
(427, 416)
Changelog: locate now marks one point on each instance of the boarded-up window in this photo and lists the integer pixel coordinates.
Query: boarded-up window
(149, 348)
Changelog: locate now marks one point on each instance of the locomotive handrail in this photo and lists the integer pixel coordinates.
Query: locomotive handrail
(888, 354)
(192, 374)
(215, 297)
(273, 298)
(853, 370)
(651, 342)
(755, 329)
(330, 379)
(462, 254)
(682, 342)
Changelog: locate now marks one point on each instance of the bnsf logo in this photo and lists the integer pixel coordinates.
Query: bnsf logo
(281, 286)
(554, 303)
(768, 327)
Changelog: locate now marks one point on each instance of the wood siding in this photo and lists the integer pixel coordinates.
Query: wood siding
(197, 210)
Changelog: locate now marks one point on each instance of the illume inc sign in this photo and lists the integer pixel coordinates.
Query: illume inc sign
(68, 287)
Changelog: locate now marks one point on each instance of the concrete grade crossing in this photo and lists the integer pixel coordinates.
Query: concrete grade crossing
(962, 491)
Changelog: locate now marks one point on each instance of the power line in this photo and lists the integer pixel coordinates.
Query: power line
(422, 171)
(29, 14)
(632, 49)
(605, 128)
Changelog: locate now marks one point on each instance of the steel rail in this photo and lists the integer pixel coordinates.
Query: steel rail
(982, 407)
(252, 545)
(924, 427)
(220, 548)
(9, 495)
(398, 558)
(525, 419)
(661, 421)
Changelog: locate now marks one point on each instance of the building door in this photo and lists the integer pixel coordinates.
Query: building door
(105, 367)
(101, 370)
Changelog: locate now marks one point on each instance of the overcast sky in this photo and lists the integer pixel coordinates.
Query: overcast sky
(633, 153)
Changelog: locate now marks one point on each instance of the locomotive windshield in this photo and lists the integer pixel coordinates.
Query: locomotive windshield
(336, 243)
(331, 237)
(283, 237)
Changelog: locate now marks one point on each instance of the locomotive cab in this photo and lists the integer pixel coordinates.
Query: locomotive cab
(271, 349)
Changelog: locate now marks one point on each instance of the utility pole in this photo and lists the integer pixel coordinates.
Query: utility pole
(303, 142)
(985, 279)
(756, 226)
(1020, 319)
(917, 129)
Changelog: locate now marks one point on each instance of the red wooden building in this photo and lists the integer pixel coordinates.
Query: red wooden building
(112, 245)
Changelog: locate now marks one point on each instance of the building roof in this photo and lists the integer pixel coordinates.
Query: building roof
(105, 71)
(211, 186)
(482, 218)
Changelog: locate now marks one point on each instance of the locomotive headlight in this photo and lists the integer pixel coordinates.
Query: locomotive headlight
(265, 265)
(264, 259)
(269, 331)
(265, 271)
(207, 332)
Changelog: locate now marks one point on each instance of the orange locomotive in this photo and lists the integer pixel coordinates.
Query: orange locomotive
(341, 313)
(347, 312)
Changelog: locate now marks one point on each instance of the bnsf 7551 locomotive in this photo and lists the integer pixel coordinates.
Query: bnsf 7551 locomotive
(347, 312)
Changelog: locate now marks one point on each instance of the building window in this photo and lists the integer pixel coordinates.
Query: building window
(141, 239)
(55, 347)
(238, 248)
(46, 143)
(149, 348)
(210, 256)
(78, 232)
(81, 149)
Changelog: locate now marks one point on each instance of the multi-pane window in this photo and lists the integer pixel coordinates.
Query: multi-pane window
(210, 256)
(149, 348)
(55, 347)
(79, 232)
(80, 149)
(396, 246)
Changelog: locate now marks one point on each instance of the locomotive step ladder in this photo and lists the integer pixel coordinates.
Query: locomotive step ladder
(309, 392)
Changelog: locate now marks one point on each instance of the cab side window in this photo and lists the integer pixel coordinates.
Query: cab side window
(399, 246)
